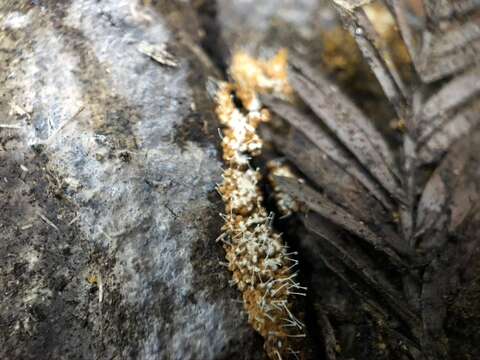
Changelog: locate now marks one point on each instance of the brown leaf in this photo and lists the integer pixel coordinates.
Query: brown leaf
(403, 14)
(336, 214)
(452, 191)
(359, 262)
(440, 57)
(378, 58)
(330, 153)
(438, 9)
(328, 336)
(446, 46)
(453, 129)
(349, 124)
(455, 39)
(455, 93)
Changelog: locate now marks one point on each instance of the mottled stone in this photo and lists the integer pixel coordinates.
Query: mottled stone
(129, 186)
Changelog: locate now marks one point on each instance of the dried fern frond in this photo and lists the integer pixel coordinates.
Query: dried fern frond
(414, 208)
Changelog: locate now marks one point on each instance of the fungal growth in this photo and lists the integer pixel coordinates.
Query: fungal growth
(286, 204)
(261, 263)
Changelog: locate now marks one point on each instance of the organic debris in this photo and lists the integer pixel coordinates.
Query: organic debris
(158, 52)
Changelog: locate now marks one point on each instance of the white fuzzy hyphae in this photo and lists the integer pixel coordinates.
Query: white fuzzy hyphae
(256, 255)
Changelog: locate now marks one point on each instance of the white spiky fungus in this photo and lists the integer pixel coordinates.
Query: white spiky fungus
(256, 255)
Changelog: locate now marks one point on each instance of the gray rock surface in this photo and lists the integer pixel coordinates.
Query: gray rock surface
(108, 174)
(262, 27)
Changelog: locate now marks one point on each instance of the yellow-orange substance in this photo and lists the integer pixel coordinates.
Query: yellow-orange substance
(342, 57)
(252, 76)
(341, 54)
(384, 24)
(257, 257)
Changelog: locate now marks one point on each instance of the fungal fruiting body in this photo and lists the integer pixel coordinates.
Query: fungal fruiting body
(286, 204)
(252, 76)
(257, 257)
